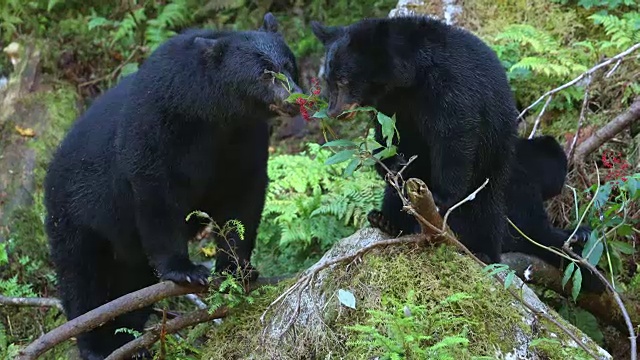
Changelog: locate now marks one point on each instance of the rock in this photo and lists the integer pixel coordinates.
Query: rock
(447, 296)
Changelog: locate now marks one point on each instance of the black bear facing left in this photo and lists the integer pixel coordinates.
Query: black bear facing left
(454, 109)
(188, 131)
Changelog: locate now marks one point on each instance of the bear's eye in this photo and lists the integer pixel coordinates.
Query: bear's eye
(267, 75)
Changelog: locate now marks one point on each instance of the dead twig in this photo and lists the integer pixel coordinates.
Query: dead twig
(34, 302)
(114, 72)
(539, 117)
(581, 119)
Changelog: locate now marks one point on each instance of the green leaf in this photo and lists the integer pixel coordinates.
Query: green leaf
(509, 279)
(198, 213)
(567, 273)
(625, 230)
(128, 69)
(339, 142)
(346, 298)
(623, 247)
(632, 185)
(321, 114)
(577, 283)
(597, 247)
(358, 109)
(493, 269)
(602, 196)
(293, 97)
(388, 126)
(351, 167)
(339, 157)
(386, 153)
(97, 21)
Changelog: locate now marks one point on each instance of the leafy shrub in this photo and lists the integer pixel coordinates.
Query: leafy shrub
(310, 205)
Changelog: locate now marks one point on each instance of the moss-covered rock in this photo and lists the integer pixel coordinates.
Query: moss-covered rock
(416, 302)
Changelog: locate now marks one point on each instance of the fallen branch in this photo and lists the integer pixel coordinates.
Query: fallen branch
(106, 312)
(602, 306)
(34, 302)
(616, 59)
(170, 327)
(608, 131)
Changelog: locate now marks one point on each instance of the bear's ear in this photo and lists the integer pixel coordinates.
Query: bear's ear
(269, 23)
(205, 43)
(326, 34)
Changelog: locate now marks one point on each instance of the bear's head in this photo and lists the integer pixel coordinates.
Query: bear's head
(363, 62)
(245, 65)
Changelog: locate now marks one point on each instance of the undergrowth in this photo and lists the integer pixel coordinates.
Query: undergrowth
(309, 206)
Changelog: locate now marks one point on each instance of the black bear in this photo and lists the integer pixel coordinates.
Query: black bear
(538, 174)
(188, 131)
(454, 109)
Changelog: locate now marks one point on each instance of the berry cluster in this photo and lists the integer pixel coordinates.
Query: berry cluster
(308, 104)
(616, 165)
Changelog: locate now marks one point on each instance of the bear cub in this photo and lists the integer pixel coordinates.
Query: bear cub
(538, 174)
(188, 131)
(454, 109)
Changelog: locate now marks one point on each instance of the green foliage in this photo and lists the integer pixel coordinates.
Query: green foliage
(139, 25)
(398, 330)
(622, 31)
(583, 320)
(310, 205)
(613, 228)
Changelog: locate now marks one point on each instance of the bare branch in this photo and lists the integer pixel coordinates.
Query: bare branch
(585, 102)
(470, 197)
(539, 117)
(581, 76)
(608, 131)
(106, 312)
(34, 302)
(170, 327)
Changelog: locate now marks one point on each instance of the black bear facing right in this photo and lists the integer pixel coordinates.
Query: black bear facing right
(454, 109)
(188, 131)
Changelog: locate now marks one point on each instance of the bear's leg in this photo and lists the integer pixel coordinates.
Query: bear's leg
(128, 278)
(83, 266)
(391, 219)
(233, 252)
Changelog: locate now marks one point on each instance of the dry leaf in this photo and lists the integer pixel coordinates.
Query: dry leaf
(28, 132)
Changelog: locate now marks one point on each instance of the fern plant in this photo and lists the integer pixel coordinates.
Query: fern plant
(407, 330)
(138, 28)
(310, 205)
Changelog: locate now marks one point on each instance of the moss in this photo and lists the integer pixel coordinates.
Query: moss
(238, 332)
(450, 297)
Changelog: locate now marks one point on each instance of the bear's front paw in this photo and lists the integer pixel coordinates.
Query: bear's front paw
(184, 272)
(378, 220)
(582, 235)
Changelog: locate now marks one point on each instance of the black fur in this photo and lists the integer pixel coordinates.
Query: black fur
(454, 109)
(537, 175)
(187, 132)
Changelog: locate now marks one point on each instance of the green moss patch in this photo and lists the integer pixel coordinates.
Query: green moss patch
(409, 302)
